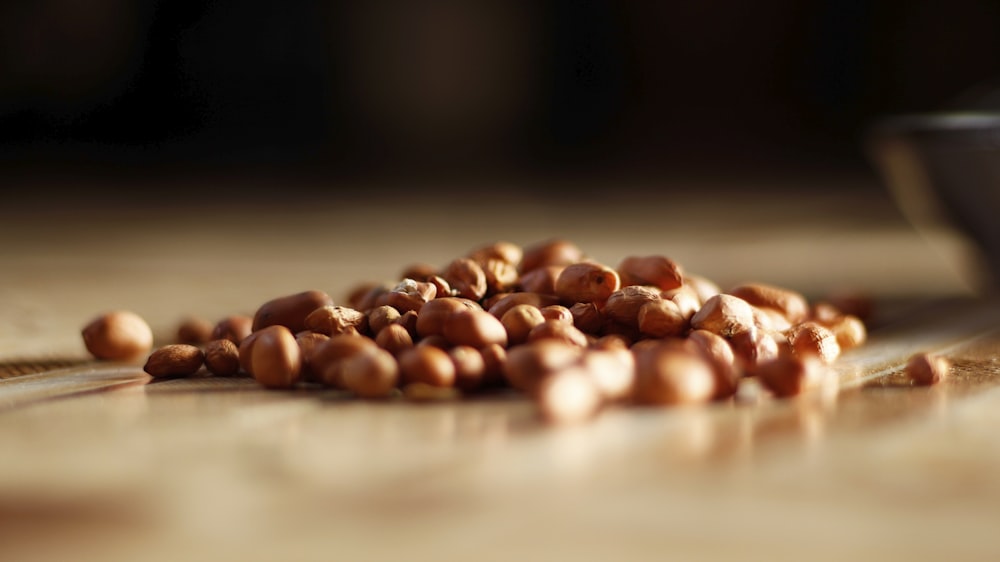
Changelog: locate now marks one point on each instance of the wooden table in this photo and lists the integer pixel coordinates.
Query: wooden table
(100, 464)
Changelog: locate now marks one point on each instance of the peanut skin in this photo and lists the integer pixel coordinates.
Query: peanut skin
(118, 335)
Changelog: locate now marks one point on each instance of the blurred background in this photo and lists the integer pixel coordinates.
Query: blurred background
(340, 93)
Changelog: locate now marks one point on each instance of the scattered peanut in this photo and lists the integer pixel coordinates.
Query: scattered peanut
(222, 358)
(119, 335)
(175, 360)
(927, 369)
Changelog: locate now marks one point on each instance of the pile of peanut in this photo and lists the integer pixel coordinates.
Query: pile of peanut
(573, 334)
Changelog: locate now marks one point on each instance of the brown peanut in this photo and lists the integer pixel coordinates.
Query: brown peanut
(657, 271)
(789, 375)
(541, 280)
(500, 276)
(233, 328)
(550, 252)
(327, 357)
(373, 373)
(418, 272)
(118, 335)
(557, 312)
(394, 338)
(558, 330)
(503, 251)
(175, 360)
(466, 278)
(753, 347)
(927, 369)
(308, 343)
(431, 319)
(661, 319)
(494, 359)
(568, 396)
(612, 371)
(810, 338)
(724, 315)
(408, 295)
(380, 317)
(669, 374)
(587, 317)
(790, 304)
(276, 360)
(586, 282)
(289, 311)
(519, 320)
(331, 320)
(246, 351)
(528, 364)
(470, 368)
(720, 356)
(222, 358)
(476, 328)
(194, 331)
(428, 365)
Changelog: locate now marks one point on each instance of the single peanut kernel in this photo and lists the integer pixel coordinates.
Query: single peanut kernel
(927, 369)
(373, 373)
(717, 351)
(118, 335)
(724, 315)
(753, 347)
(670, 374)
(276, 361)
(418, 272)
(503, 251)
(494, 359)
(428, 365)
(234, 328)
(331, 320)
(622, 306)
(587, 317)
(222, 358)
(476, 328)
(246, 351)
(687, 302)
(500, 275)
(701, 286)
(790, 375)
(557, 312)
(558, 330)
(528, 364)
(612, 371)
(435, 340)
(657, 271)
(408, 295)
(586, 282)
(809, 338)
(289, 311)
(367, 299)
(327, 357)
(194, 331)
(394, 339)
(792, 305)
(467, 278)
(470, 367)
(541, 280)
(568, 396)
(409, 321)
(661, 319)
(519, 320)
(431, 319)
(308, 343)
(380, 317)
(175, 360)
(850, 331)
(550, 252)
(443, 289)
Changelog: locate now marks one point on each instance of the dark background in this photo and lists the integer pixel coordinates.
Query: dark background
(400, 92)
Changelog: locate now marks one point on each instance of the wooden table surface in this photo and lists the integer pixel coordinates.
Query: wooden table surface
(98, 463)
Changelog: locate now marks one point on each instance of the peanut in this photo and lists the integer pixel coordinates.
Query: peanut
(373, 373)
(669, 374)
(557, 312)
(431, 319)
(276, 361)
(790, 375)
(534, 299)
(503, 251)
(720, 356)
(246, 351)
(790, 304)
(661, 319)
(541, 280)
(622, 306)
(428, 365)
(519, 320)
(118, 335)
(568, 396)
(233, 328)
(586, 282)
(394, 338)
(558, 330)
(476, 328)
(724, 315)
(657, 271)
(470, 368)
(408, 295)
(528, 364)
(467, 278)
(810, 338)
(308, 342)
(380, 317)
(331, 320)
(194, 331)
(175, 360)
(289, 311)
(927, 369)
(550, 252)
(327, 357)
(222, 358)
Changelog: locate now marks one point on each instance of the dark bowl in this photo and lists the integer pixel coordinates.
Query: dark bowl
(944, 171)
